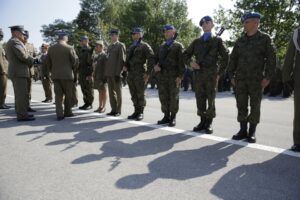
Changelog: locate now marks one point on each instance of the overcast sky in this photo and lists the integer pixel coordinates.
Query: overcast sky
(34, 13)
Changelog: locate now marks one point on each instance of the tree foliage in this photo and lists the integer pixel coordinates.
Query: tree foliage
(97, 17)
(279, 19)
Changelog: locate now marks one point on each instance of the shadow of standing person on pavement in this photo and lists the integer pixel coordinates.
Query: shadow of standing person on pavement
(275, 179)
(182, 165)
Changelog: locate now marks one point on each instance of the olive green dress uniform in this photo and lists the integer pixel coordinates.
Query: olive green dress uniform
(172, 66)
(252, 59)
(116, 56)
(140, 61)
(86, 69)
(291, 69)
(18, 71)
(32, 52)
(46, 78)
(3, 75)
(207, 54)
(62, 61)
(100, 81)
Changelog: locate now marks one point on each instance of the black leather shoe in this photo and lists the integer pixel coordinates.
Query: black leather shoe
(251, 136)
(133, 116)
(242, 134)
(296, 148)
(200, 126)
(26, 119)
(164, 120)
(60, 118)
(139, 117)
(47, 101)
(29, 109)
(83, 107)
(172, 120)
(208, 126)
(29, 115)
(111, 113)
(117, 114)
(88, 107)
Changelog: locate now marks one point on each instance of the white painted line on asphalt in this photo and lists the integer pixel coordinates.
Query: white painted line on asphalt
(190, 133)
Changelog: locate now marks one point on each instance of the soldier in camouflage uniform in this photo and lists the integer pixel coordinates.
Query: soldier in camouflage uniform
(86, 73)
(32, 52)
(3, 74)
(45, 75)
(169, 71)
(139, 64)
(291, 72)
(252, 64)
(206, 50)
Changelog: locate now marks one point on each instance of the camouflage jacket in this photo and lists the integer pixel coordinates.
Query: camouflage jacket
(3, 61)
(85, 61)
(170, 59)
(140, 58)
(206, 54)
(253, 57)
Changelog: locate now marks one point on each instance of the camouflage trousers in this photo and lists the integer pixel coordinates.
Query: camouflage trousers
(3, 88)
(246, 90)
(296, 131)
(205, 93)
(168, 94)
(137, 86)
(87, 88)
(47, 86)
(63, 90)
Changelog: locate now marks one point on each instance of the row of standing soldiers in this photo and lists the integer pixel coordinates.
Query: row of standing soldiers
(250, 67)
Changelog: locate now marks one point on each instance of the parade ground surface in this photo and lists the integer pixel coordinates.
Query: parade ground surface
(95, 157)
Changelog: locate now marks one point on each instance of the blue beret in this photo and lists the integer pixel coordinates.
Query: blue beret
(84, 37)
(250, 15)
(19, 28)
(168, 27)
(62, 34)
(205, 19)
(114, 31)
(137, 30)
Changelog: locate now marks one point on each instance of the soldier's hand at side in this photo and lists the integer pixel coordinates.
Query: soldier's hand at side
(264, 83)
(146, 78)
(195, 65)
(178, 82)
(88, 78)
(232, 82)
(157, 68)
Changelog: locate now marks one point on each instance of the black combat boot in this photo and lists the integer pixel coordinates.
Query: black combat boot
(201, 125)
(208, 126)
(172, 120)
(251, 137)
(242, 134)
(134, 114)
(165, 119)
(140, 114)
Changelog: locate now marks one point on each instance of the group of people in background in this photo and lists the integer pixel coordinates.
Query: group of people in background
(250, 67)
